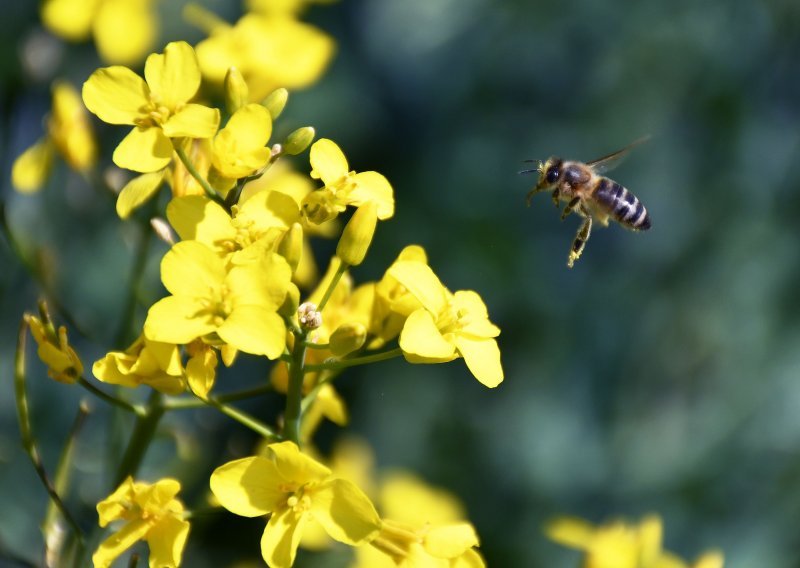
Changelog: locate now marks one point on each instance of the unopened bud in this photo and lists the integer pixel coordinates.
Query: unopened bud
(162, 230)
(299, 140)
(275, 102)
(290, 246)
(347, 338)
(290, 302)
(357, 234)
(308, 316)
(236, 92)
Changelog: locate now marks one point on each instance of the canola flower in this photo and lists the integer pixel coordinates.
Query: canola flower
(293, 489)
(69, 135)
(145, 362)
(63, 363)
(617, 544)
(151, 513)
(157, 106)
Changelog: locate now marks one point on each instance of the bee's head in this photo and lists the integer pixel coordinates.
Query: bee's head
(549, 172)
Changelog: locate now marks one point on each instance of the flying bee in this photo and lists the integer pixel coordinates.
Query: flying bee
(590, 195)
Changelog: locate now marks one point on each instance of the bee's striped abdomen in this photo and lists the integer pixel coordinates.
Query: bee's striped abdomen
(621, 204)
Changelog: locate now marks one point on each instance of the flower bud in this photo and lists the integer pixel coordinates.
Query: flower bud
(236, 92)
(298, 140)
(347, 338)
(290, 246)
(289, 307)
(308, 316)
(163, 230)
(357, 234)
(275, 101)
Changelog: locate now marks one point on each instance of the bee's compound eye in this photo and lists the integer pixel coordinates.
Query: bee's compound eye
(552, 174)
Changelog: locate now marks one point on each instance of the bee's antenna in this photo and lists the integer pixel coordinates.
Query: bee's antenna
(537, 169)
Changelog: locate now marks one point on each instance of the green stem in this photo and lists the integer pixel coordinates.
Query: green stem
(210, 191)
(182, 403)
(332, 286)
(294, 394)
(137, 410)
(143, 432)
(312, 345)
(244, 419)
(343, 363)
(28, 442)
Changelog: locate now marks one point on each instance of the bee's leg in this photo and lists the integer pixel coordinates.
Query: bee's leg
(556, 195)
(570, 207)
(580, 241)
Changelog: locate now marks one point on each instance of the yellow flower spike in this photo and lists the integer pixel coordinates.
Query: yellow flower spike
(237, 304)
(236, 92)
(145, 362)
(239, 148)
(63, 364)
(357, 234)
(69, 135)
(159, 107)
(151, 513)
(343, 187)
(294, 489)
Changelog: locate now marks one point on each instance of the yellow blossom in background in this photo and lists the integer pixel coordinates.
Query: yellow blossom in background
(342, 186)
(293, 489)
(270, 51)
(157, 107)
(447, 325)
(143, 363)
(63, 364)
(617, 544)
(151, 513)
(69, 135)
(282, 6)
(124, 30)
(236, 306)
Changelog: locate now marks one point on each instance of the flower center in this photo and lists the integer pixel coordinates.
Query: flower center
(216, 305)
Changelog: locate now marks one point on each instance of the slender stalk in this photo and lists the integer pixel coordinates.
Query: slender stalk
(332, 286)
(28, 442)
(312, 345)
(244, 419)
(182, 403)
(118, 402)
(343, 363)
(294, 394)
(210, 191)
(143, 432)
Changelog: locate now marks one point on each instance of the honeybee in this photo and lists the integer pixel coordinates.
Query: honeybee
(590, 195)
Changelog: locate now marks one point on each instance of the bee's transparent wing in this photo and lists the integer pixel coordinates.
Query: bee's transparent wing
(612, 160)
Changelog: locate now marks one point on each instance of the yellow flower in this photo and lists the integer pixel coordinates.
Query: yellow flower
(124, 30)
(151, 513)
(447, 325)
(63, 364)
(282, 6)
(617, 544)
(68, 133)
(293, 489)
(342, 186)
(236, 306)
(270, 52)
(239, 148)
(143, 363)
(159, 107)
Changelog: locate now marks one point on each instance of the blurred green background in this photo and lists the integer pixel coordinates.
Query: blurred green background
(661, 374)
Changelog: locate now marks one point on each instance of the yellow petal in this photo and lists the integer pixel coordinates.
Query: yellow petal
(32, 167)
(173, 76)
(69, 127)
(281, 538)
(256, 330)
(482, 357)
(167, 539)
(450, 541)
(194, 121)
(570, 531)
(294, 465)
(125, 31)
(713, 559)
(372, 186)
(327, 161)
(344, 511)
(469, 559)
(249, 487)
(422, 342)
(144, 150)
(119, 542)
(201, 372)
(109, 369)
(190, 268)
(116, 95)
(138, 191)
(262, 283)
(172, 320)
(196, 217)
(251, 125)
(70, 19)
(422, 283)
